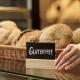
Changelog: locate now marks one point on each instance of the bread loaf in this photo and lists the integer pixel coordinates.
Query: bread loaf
(60, 34)
(8, 31)
(28, 35)
(76, 36)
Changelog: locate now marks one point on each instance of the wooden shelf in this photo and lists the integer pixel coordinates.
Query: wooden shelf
(13, 13)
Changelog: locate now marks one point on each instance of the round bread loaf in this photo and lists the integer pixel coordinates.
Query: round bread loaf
(76, 36)
(60, 34)
(28, 35)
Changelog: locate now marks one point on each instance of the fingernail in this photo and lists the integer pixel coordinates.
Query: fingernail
(66, 68)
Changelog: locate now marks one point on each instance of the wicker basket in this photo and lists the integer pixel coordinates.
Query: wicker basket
(12, 52)
(16, 53)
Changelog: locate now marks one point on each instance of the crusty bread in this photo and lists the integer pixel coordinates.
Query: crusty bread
(15, 32)
(60, 34)
(76, 36)
(4, 35)
(28, 35)
(8, 31)
(10, 25)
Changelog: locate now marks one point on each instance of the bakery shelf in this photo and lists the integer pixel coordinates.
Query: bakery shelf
(13, 13)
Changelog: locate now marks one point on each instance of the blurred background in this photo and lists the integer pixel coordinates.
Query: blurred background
(14, 10)
(60, 11)
(41, 13)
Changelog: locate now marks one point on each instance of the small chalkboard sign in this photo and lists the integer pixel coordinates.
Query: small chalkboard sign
(40, 50)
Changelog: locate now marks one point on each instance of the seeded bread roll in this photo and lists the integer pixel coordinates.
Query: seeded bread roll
(27, 36)
(60, 34)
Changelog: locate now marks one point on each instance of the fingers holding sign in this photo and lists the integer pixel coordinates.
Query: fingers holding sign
(68, 58)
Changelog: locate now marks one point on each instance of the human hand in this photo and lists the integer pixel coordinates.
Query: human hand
(68, 58)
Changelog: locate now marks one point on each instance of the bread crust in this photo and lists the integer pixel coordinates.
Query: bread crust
(76, 36)
(60, 34)
(28, 35)
(8, 31)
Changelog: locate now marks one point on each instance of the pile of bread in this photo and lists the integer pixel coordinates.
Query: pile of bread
(60, 34)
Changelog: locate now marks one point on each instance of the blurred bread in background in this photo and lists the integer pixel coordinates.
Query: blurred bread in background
(64, 4)
(8, 31)
(53, 12)
(64, 11)
(71, 14)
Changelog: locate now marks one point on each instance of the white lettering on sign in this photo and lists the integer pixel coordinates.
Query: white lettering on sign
(33, 51)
